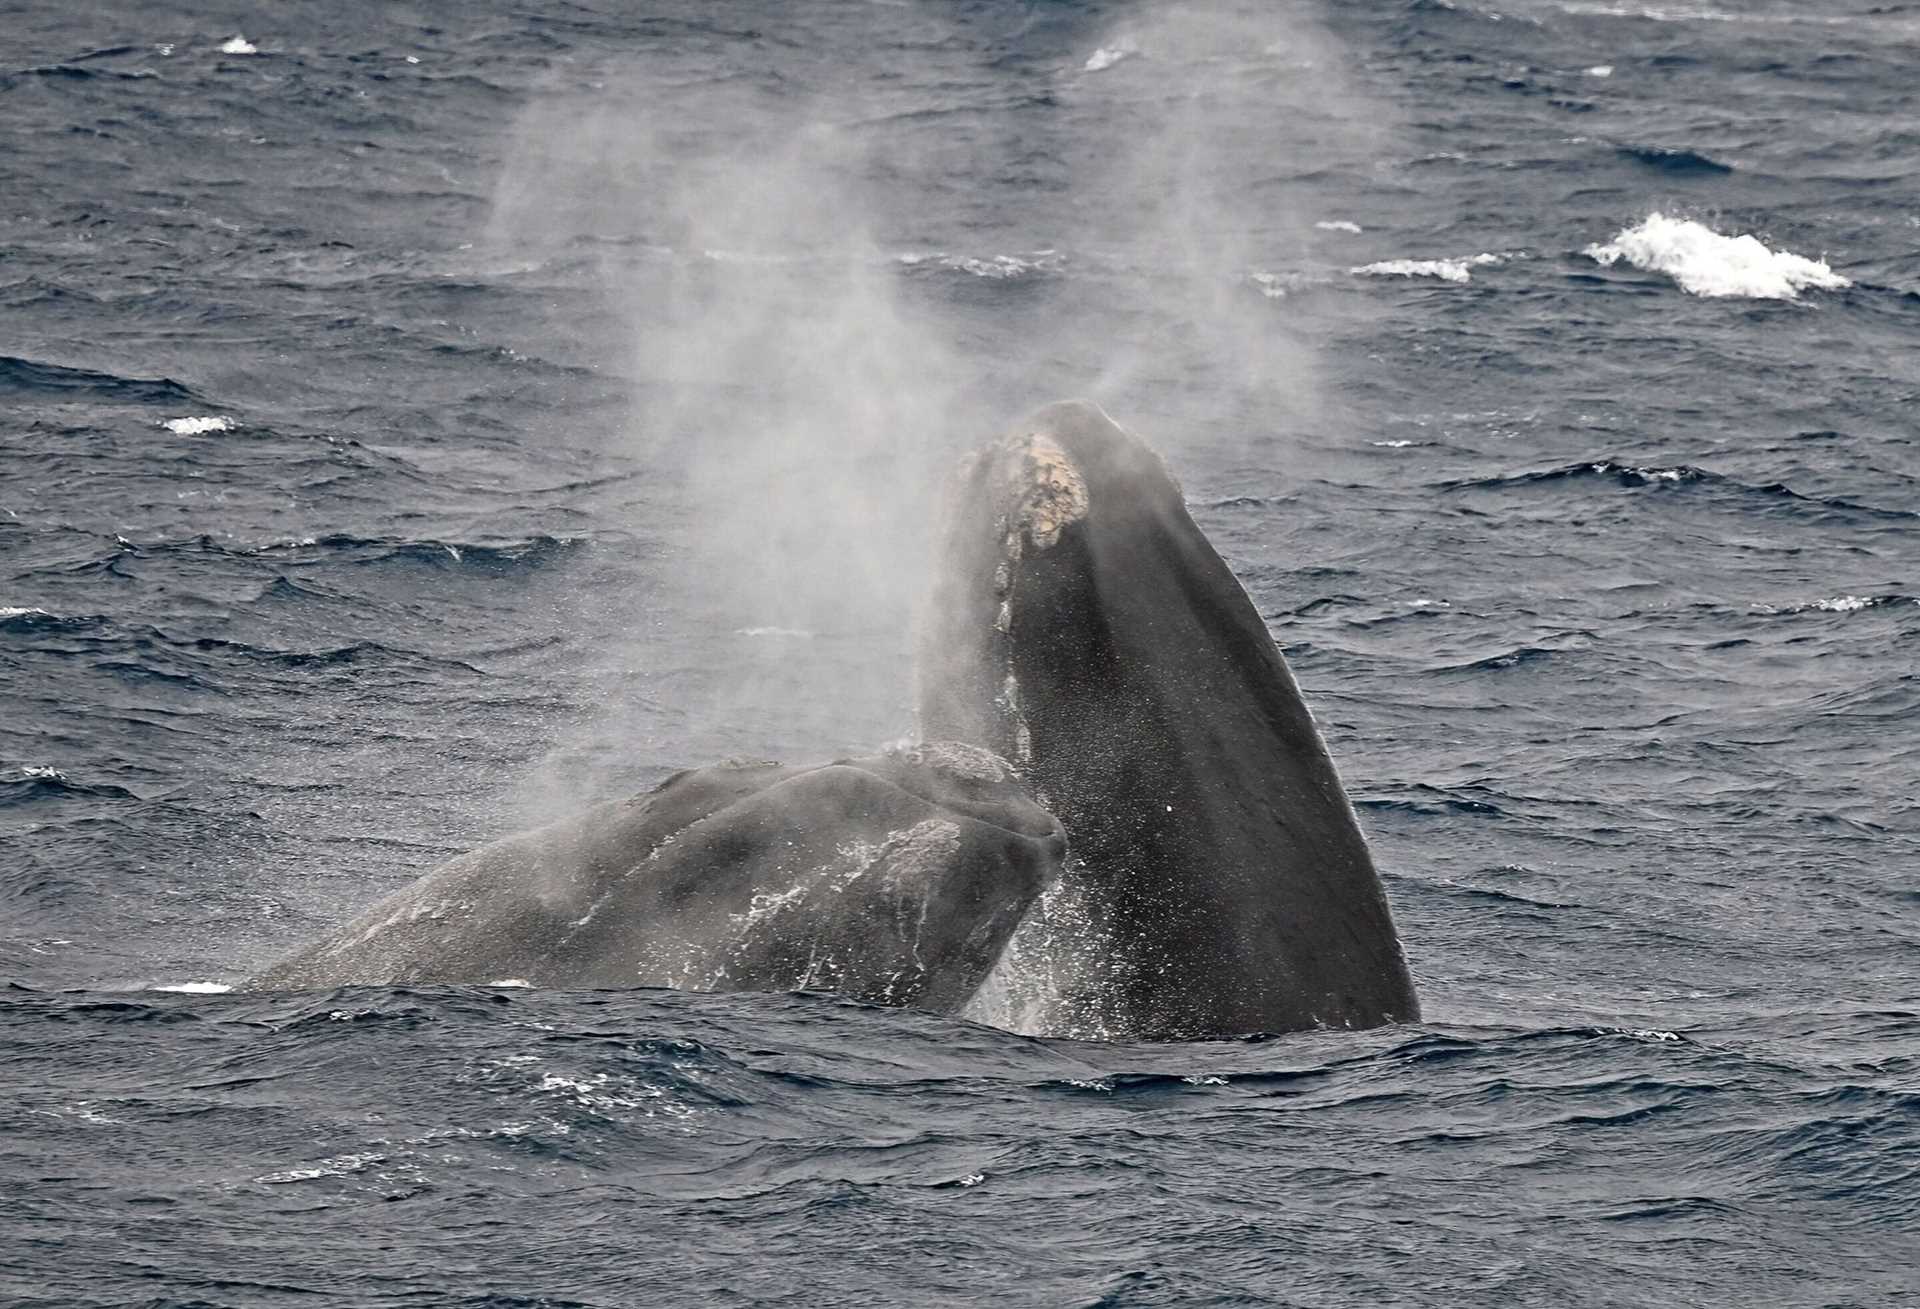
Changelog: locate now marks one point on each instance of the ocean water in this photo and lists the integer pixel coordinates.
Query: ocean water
(421, 420)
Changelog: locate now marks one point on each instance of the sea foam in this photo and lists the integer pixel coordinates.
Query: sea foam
(1706, 263)
(1447, 270)
(197, 426)
(1109, 55)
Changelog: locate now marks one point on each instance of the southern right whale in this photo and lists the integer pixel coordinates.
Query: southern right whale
(894, 879)
(1169, 855)
(1082, 626)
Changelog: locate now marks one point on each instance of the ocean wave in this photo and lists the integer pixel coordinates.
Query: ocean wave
(1839, 604)
(28, 377)
(1447, 270)
(1706, 263)
(993, 268)
(1109, 55)
(198, 426)
(532, 551)
(1667, 160)
(1765, 497)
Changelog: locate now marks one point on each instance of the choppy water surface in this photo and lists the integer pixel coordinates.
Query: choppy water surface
(417, 423)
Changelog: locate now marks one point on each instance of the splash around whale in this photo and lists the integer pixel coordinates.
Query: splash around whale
(1124, 824)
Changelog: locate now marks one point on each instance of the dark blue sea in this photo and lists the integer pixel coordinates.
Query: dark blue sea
(418, 421)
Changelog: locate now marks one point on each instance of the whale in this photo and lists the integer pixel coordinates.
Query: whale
(1083, 627)
(1125, 823)
(892, 879)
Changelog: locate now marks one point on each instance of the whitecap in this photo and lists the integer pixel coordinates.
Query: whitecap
(42, 773)
(20, 611)
(994, 267)
(513, 983)
(339, 1166)
(197, 426)
(239, 45)
(1271, 285)
(1839, 604)
(1447, 270)
(1600, 70)
(1109, 55)
(1705, 263)
(197, 988)
(1338, 225)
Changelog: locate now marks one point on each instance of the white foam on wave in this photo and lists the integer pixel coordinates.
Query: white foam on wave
(1338, 225)
(20, 611)
(1705, 263)
(197, 988)
(1109, 55)
(239, 45)
(1839, 604)
(193, 426)
(1447, 270)
(1600, 70)
(994, 268)
(1272, 285)
(42, 773)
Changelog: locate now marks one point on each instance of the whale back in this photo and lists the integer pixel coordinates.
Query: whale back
(894, 879)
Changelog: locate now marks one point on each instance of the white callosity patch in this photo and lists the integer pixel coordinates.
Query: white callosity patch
(1705, 263)
(1048, 492)
(1045, 494)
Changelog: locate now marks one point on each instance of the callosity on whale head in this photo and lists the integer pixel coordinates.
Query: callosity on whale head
(894, 879)
(1084, 627)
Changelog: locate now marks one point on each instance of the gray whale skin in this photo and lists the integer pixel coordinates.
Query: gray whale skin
(1129, 826)
(894, 879)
